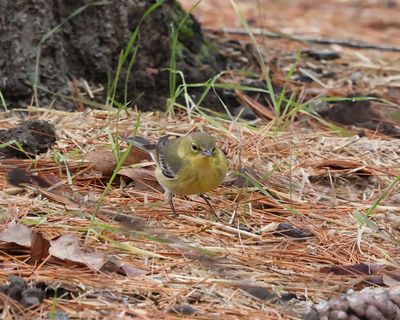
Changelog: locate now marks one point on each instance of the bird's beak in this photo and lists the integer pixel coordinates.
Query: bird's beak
(207, 153)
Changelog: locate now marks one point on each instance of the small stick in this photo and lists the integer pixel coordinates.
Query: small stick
(310, 39)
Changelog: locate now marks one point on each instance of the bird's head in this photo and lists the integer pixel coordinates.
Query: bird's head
(200, 144)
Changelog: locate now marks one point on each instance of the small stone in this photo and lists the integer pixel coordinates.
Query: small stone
(322, 54)
(289, 230)
(247, 113)
(184, 309)
(58, 315)
(258, 292)
(31, 297)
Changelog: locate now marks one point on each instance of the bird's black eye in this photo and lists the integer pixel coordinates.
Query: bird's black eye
(194, 147)
(213, 150)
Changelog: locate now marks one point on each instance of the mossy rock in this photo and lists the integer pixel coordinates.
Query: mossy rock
(89, 44)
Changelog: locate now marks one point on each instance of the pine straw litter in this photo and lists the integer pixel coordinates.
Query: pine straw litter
(238, 267)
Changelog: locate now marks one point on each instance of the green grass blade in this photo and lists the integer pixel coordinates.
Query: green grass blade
(108, 186)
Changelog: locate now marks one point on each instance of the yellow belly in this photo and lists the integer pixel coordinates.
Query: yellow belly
(203, 175)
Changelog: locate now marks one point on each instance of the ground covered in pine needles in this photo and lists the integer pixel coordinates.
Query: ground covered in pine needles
(292, 230)
(309, 209)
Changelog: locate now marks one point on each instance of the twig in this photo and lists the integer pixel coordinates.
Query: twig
(318, 40)
(220, 226)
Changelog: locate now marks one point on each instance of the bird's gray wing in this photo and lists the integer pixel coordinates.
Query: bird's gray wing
(170, 168)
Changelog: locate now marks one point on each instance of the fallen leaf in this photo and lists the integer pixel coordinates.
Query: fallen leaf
(321, 54)
(266, 294)
(17, 233)
(13, 191)
(136, 155)
(144, 179)
(102, 160)
(338, 166)
(130, 270)
(67, 247)
(49, 180)
(124, 268)
(391, 278)
(353, 269)
(39, 247)
(130, 222)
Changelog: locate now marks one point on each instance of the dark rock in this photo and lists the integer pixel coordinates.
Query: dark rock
(18, 290)
(15, 288)
(34, 137)
(245, 113)
(18, 177)
(259, 292)
(31, 297)
(71, 52)
(364, 113)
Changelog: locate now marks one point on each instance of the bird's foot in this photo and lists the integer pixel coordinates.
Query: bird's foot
(206, 199)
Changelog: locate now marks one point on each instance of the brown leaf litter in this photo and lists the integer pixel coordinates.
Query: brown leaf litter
(244, 266)
(292, 228)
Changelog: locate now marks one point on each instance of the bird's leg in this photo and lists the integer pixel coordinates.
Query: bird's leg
(205, 198)
(168, 196)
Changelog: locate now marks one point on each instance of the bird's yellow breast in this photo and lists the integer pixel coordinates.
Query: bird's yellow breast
(200, 174)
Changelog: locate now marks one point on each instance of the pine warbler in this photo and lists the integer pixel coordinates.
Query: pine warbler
(188, 165)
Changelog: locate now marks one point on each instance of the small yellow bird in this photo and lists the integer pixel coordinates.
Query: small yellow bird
(188, 165)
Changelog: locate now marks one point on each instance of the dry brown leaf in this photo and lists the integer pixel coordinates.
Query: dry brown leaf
(391, 278)
(130, 270)
(47, 180)
(136, 155)
(124, 268)
(105, 162)
(67, 247)
(39, 247)
(144, 179)
(354, 269)
(17, 233)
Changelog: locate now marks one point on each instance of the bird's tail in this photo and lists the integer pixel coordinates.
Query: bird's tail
(143, 144)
